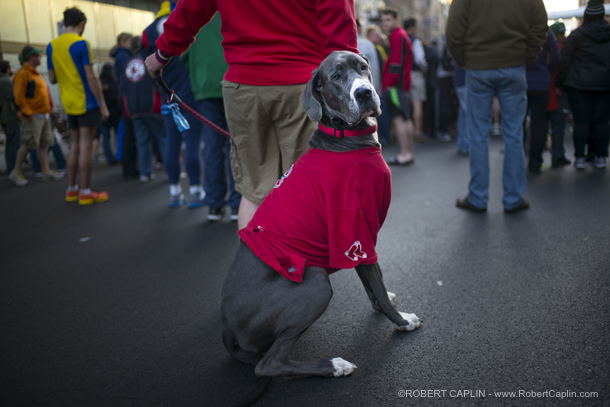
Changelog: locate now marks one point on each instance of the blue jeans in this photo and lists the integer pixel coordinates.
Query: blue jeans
(145, 128)
(217, 158)
(462, 137)
(192, 140)
(510, 86)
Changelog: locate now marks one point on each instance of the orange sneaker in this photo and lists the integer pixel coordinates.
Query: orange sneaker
(92, 197)
(72, 196)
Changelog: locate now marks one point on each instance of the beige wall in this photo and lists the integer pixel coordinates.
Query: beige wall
(35, 22)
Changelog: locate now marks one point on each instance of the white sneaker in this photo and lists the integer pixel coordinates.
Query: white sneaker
(599, 162)
(52, 176)
(18, 178)
(146, 178)
(579, 163)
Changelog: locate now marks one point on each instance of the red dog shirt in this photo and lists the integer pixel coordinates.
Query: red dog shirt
(325, 211)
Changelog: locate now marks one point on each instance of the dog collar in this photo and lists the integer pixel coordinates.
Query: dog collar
(347, 133)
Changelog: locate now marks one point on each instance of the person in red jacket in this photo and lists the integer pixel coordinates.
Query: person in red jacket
(271, 48)
(396, 83)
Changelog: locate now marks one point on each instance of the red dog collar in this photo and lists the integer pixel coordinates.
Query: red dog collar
(347, 133)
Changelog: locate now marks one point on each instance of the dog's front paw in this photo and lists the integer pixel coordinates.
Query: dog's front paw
(413, 322)
(392, 298)
(342, 367)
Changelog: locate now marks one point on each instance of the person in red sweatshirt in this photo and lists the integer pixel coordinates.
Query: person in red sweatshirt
(396, 83)
(272, 48)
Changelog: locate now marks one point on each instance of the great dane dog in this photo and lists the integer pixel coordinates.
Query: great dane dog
(267, 305)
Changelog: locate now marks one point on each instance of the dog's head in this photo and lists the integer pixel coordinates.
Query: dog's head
(341, 89)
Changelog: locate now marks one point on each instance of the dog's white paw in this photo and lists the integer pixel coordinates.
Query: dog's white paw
(342, 367)
(413, 322)
(392, 298)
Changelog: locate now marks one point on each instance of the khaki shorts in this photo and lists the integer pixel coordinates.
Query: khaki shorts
(417, 91)
(36, 132)
(269, 132)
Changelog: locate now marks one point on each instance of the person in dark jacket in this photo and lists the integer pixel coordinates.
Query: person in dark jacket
(584, 74)
(142, 105)
(538, 77)
(122, 54)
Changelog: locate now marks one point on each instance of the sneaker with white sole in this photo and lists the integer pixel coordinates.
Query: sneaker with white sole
(18, 178)
(216, 214)
(146, 178)
(197, 200)
(176, 201)
(599, 162)
(234, 214)
(52, 176)
(579, 163)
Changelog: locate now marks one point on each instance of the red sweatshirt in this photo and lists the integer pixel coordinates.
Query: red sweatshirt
(266, 43)
(326, 211)
(398, 66)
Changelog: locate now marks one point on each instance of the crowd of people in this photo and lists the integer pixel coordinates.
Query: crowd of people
(466, 85)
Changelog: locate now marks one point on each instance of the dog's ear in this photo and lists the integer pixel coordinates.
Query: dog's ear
(311, 97)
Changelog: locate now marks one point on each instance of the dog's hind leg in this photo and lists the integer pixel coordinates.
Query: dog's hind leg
(370, 275)
(305, 303)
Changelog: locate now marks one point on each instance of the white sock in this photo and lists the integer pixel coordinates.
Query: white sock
(74, 188)
(195, 189)
(85, 191)
(175, 189)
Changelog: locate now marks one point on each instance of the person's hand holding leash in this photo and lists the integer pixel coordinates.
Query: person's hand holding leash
(154, 64)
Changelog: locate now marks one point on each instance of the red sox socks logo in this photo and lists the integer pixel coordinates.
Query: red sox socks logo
(355, 252)
(279, 181)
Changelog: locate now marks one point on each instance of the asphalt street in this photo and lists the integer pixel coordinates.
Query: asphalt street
(117, 304)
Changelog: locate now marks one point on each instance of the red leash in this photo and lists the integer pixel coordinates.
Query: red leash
(173, 97)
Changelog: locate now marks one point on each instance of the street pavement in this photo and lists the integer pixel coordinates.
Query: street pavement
(117, 304)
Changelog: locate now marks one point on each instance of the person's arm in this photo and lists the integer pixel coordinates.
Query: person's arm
(179, 32)
(538, 31)
(95, 85)
(336, 20)
(455, 34)
(419, 56)
(52, 77)
(20, 83)
(50, 66)
(395, 61)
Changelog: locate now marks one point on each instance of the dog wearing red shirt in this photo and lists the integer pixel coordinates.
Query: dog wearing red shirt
(323, 215)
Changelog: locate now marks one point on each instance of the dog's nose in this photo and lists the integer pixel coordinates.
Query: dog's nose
(363, 94)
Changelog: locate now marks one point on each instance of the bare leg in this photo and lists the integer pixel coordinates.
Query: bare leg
(404, 135)
(418, 117)
(21, 154)
(43, 158)
(73, 157)
(85, 155)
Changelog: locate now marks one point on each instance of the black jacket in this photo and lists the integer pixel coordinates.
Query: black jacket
(585, 58)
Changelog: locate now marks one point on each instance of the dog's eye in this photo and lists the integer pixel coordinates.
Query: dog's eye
(336, 77)
(364, 67)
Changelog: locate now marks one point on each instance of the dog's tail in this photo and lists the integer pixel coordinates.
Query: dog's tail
(255, 394)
